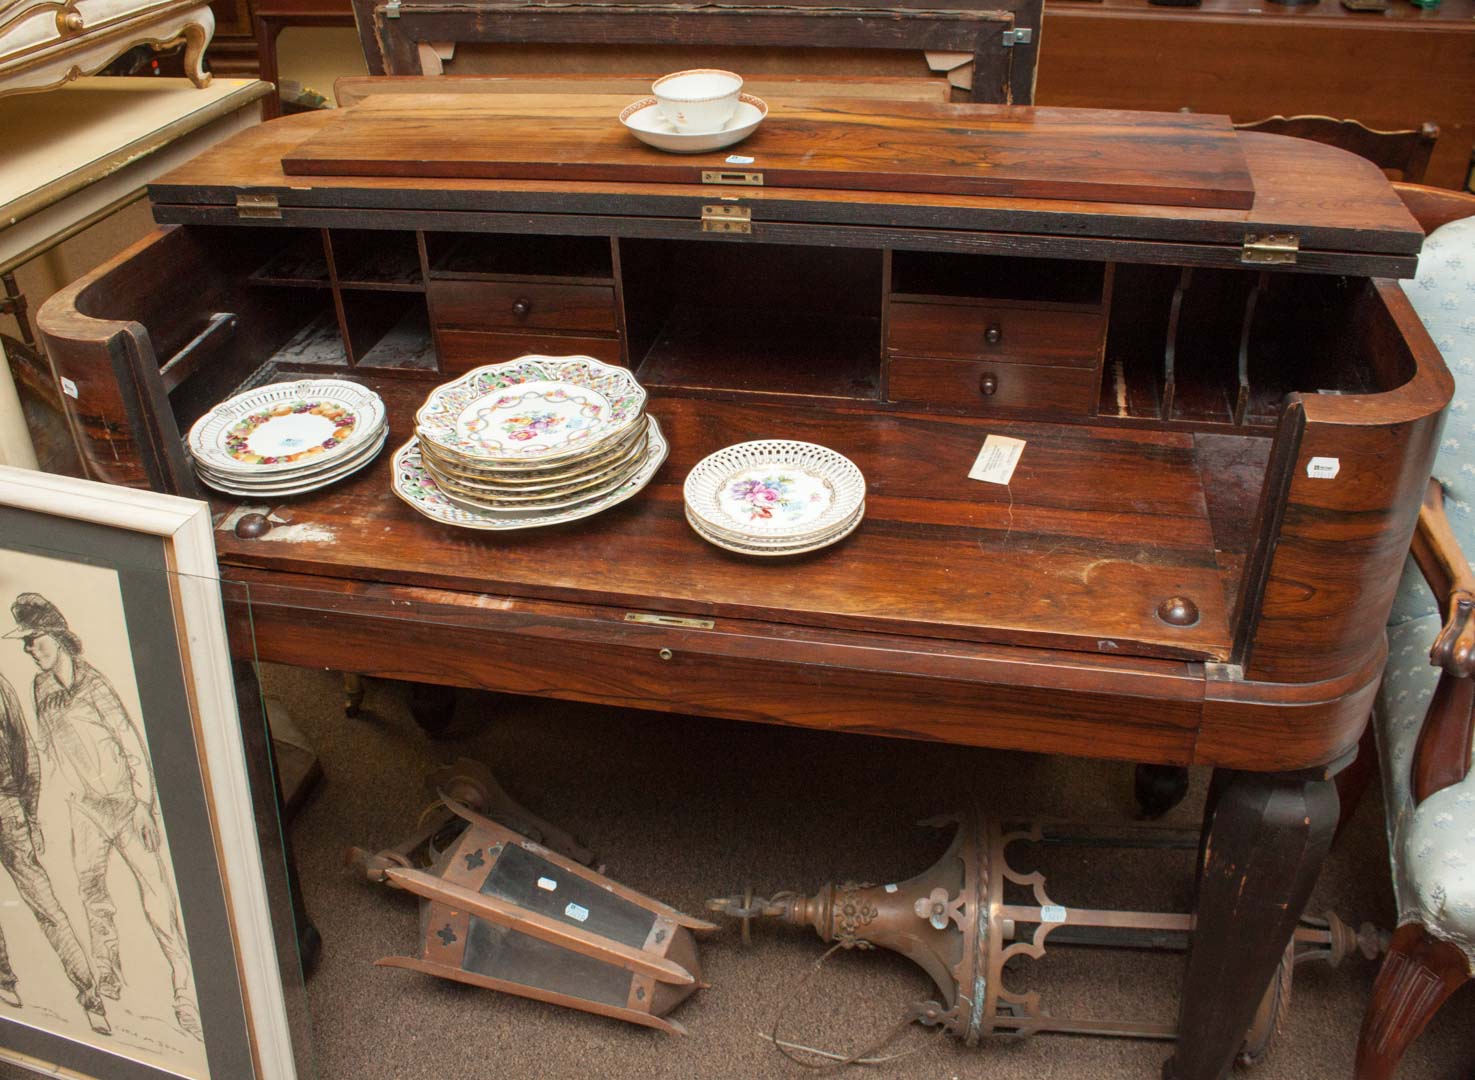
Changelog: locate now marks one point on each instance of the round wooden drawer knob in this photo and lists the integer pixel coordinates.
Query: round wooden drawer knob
(1178, 611)
(520, 308)
(994, 334)
(988, 384)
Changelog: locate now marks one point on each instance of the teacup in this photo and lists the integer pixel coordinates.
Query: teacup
(699, 100)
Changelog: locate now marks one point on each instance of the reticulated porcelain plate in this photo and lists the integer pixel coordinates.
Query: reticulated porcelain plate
(518, 499)
(611, 454)
(335, 465)
(291, 485)
(771, 550)
(416, 486)
(773, 489)
(285, 427)
(535, 409)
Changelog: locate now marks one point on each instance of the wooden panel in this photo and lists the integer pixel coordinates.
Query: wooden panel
(938, 554)
(1354, 215)
(516, 305)
(985, 387)
(1024, 335)
(1256, 58)
(1157, 159)
(462, 350)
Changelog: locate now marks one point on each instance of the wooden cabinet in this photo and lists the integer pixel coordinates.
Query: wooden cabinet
(1225, 445)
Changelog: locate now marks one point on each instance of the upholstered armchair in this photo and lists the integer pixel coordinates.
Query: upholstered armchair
(1423, 718)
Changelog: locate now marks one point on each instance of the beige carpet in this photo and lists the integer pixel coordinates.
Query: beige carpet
(684, 808)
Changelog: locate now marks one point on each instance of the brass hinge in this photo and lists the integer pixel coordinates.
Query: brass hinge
(746, 179)
(718, 217)
(260, 207)
(1272, 249)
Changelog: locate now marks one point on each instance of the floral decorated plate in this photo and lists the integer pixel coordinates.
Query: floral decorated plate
(535, 409)
(416, 486)
(286, 427)
(771, 549)
(335, 465)
(610, 454)
(773, 489)
(517, 498)
(291, 485)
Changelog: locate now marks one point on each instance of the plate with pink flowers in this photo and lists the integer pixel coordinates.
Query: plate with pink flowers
(775, 493)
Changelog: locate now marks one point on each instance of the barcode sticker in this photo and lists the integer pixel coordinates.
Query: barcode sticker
(1052, 913)
(68, 387)
(996, 461)
(577, 912)
(1323, 468)
(738, 159)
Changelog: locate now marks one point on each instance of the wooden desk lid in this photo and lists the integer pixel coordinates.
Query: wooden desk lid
(1150, 159)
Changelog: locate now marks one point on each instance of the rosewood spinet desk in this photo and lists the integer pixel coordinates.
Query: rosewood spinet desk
(1229, 415)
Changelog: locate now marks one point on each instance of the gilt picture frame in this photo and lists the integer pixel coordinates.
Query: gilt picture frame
(136, 930)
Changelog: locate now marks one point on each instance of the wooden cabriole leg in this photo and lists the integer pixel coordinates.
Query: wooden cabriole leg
(196, 37)
(1418, 974)
(1265, 837)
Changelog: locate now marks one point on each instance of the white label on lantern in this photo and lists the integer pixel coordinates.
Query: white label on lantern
(996, 461)
(1323, 468)
(577, 912)
(890, 888)
(68, 387)
(1052, 913)
(547, 883)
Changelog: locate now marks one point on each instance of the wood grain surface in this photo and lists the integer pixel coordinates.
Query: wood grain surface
(1096, 529)
(1153, 158)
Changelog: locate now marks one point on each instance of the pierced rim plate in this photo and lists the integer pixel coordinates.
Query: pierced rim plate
(570, 468)
(772, 552)
(773, 489)
(290, 485)
(413, 484)
(535, 409)
(493, 497)
(283, 427)
(776, 545)
(335, 465)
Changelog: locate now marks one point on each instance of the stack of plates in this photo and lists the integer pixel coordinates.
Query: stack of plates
(536, 441)
(774, 497)
(288, 438)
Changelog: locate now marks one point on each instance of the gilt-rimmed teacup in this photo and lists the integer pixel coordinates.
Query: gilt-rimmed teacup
(698, 100)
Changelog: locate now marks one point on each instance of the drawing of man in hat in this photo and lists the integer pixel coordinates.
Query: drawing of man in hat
(20, 844)
(87, 733)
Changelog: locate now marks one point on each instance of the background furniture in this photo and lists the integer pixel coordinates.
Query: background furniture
(1392, 69)
(73, 159)
(1425, 710)
(45, 43)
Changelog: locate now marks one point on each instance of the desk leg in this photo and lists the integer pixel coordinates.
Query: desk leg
(1265, 836)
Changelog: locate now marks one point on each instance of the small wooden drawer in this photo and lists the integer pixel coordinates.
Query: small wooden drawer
(462, 350)
(1007, 334)
(515, 305)
(980, 386)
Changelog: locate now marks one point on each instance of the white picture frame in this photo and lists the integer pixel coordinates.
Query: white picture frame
(68, 534)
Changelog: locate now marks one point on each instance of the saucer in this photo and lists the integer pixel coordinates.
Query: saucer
(646, 123)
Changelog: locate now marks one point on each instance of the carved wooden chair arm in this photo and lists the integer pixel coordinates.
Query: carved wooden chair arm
(1445, 568)
(1442, 756)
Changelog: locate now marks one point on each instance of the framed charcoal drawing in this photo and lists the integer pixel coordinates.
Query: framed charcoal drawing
(136, 939)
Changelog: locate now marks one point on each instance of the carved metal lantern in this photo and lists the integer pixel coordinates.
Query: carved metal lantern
(964, 918)
(506, 913)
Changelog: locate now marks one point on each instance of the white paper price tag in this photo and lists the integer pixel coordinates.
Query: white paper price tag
(68, 387)
(547, 884)
(1323, 468)
(996, 461)
(577, 912)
